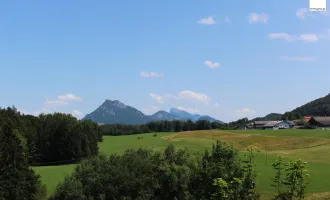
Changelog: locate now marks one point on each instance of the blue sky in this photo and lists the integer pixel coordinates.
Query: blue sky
(227, 59)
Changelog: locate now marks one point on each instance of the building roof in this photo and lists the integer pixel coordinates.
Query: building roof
(272, 123)
(322, 120)
(291, 123)
(261, 122)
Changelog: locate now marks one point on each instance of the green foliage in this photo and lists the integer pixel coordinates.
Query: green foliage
(146, 174)
(69, 189)
(53, 137)
(226, 190)
(223, 162)
(159, 126)
(271, 117)
(295, 181)
(222, 191)
(203, 125)
(279, 167)
(17, 179)
(302, 122)
(249, 181)
(196, 142)
(41, 192)
(241, 123)
(137, 174)
(318, 107)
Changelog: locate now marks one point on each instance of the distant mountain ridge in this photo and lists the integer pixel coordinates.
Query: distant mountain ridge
(193, 117)
(163, 115)
(184, 115)
(116, 112)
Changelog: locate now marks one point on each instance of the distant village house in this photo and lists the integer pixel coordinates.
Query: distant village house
(320, 122)
(272, 125)
(308, 122)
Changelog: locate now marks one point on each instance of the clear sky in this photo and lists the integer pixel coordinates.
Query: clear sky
(227, 59)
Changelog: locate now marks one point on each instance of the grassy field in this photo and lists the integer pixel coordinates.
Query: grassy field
(310, 145)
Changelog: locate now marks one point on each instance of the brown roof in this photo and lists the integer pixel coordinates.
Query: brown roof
(323, 120)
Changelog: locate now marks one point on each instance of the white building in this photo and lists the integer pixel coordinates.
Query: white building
(275, 125)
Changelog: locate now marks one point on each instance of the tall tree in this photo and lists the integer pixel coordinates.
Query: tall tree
(17, 179)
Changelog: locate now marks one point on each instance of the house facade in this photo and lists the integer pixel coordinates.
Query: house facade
(291, 123)
(260, 124)
(319, 122)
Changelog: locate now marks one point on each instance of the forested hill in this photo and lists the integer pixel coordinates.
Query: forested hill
(318, 107)
(271, 116)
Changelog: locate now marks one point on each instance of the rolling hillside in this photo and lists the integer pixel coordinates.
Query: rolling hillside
(318, 107)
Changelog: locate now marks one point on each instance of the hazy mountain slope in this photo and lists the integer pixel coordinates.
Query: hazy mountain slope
(163, 115)
(208, 118)
(184, 115)
(113, 112)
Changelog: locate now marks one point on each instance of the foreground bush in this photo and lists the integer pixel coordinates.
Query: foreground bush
(291, 179)
(145, 174)
(173, 174)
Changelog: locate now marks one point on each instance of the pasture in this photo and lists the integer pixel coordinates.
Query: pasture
(310, 145)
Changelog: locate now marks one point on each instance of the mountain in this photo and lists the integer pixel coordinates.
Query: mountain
(184, 115)
(318, 107)
(208, 118)
(193, 117)
(115, 112)
(270, 117)
(163, 115)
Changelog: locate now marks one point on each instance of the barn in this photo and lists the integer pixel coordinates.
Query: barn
(320, 122)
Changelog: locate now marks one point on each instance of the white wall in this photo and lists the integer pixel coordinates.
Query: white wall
(282, 125)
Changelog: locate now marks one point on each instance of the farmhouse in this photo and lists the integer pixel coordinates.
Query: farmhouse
(260, 124)
(320, 122)
(276, 125)
(291, 123)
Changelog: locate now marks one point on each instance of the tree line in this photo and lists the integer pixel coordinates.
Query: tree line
(53, 137)
(26, 139)
(179, 174)
(168, 126)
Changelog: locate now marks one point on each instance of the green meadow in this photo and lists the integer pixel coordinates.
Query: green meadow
(312, 146)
